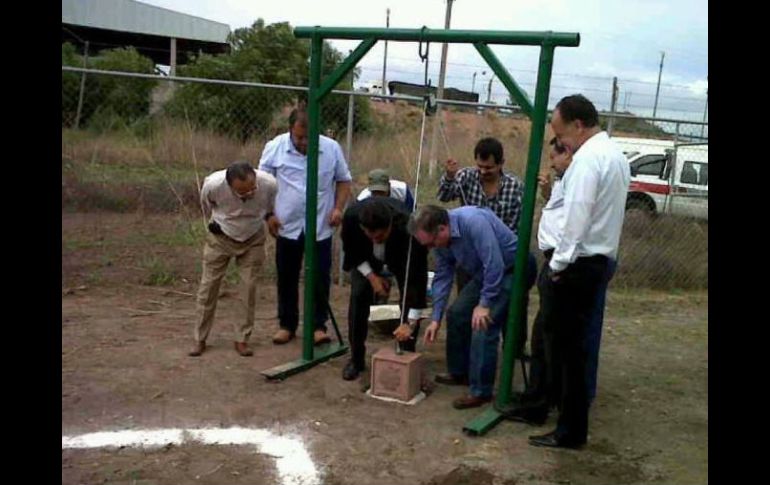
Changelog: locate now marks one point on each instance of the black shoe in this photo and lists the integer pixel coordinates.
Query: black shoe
(534, 416)
(555, 440)
(351, 371)
(451, 379)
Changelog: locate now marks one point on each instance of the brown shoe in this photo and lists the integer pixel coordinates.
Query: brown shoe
(320, 337)
(466, 402)
(451, 380)
(243, 349)
(197, 349)
(282, 336)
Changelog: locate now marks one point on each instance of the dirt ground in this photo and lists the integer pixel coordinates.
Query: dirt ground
(124, 366)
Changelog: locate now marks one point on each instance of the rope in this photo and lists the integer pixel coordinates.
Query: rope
(414, 207)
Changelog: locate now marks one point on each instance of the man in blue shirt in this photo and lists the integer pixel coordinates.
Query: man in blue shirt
(476, 240)
(285, 157)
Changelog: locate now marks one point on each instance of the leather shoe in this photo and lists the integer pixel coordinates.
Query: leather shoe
(451, 380)
(197, 349)
(555, 440)
(523, 414)
(351, 371)
(320, 337)
(243, 349)
(466, 402)
(282, 336)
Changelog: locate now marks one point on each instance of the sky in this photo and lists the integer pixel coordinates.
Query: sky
(621, 38)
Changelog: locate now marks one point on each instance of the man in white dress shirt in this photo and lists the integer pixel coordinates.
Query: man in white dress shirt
(285, 157)
(579, 242)
(234, 202)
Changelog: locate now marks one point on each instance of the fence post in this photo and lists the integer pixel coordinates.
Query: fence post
(348, 152)
(82, 87)
(613, 106)
(672, 174)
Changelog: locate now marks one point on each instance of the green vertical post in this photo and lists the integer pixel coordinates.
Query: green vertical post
(490, 418)
(311, 197)
(525, 223)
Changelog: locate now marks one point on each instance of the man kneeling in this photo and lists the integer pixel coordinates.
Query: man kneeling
(375, 236)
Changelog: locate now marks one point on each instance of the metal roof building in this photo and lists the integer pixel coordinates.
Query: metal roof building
(163, 35)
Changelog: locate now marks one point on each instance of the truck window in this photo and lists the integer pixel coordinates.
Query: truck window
(649, 165)
(694, 173)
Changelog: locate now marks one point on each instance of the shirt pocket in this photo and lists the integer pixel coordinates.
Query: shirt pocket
(325, 177)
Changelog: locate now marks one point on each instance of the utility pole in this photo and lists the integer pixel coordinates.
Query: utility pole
(440, 92)
(385, 57)
(489, 89)
(657, 91)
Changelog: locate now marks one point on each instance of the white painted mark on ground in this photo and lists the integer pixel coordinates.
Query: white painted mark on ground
(295, 467)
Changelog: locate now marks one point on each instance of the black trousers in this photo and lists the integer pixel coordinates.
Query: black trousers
(569, 304)
(288, 262)
(361, 297)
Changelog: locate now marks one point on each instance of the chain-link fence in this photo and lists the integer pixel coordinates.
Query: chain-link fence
(143, 142)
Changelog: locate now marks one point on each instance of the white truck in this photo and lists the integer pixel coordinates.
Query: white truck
(371, 87)
(666, 177)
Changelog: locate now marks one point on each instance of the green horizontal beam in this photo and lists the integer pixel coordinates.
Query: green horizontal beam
(483, 422)
(322, 354)
(556, 39)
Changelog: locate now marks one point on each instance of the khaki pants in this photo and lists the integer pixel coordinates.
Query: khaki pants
(249, 256)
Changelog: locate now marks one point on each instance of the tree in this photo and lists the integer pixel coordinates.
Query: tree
(107, 100)
(261, 53)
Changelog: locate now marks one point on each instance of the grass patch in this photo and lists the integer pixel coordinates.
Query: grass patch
(158, 272)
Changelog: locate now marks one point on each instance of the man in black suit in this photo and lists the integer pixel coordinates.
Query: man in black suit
(375, 236)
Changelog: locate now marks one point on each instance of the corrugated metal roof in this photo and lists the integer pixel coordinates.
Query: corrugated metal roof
(137, 17)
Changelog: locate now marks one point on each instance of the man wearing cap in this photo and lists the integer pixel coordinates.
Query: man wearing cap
(235, 202)
(380, 184)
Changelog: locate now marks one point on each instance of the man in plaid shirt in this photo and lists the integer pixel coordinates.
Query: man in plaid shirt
(485, 185)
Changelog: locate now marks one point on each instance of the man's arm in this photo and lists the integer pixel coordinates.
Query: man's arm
(485, 244)
(343, 186)
(442, 282)
(206, 203)
(449, 184)
(579, 198)
(517, 194)
(267, 160)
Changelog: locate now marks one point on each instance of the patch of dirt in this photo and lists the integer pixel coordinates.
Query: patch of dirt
(124, 366)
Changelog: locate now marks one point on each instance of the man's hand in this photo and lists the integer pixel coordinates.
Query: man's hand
(273, 225)
(544, 181)
(555, 277)
(403, 332)
(480, 318)
(451, 168)
(335, 218)
(379, 284)
(431, 332)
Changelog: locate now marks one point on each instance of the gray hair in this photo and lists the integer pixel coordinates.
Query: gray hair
(240, 170)
(428, 218)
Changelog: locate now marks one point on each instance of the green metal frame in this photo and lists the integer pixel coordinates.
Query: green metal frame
(547, 41)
